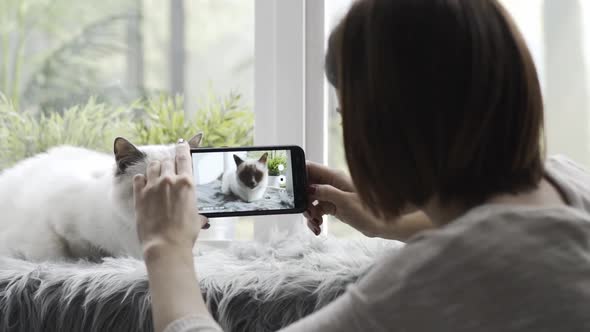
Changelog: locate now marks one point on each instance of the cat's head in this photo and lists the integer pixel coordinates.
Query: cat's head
(131, 160)
(252, 173)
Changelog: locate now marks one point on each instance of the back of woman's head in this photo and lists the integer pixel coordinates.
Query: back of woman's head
(438, 98)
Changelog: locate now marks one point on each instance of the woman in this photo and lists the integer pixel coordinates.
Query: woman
(442, 116)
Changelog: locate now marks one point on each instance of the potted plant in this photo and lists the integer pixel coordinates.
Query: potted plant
(276, 165)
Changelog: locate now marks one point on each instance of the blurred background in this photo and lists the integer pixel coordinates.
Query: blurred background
(58, 53)
(83, 72)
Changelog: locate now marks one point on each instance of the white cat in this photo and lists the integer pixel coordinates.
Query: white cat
(71, 203)
(248, 181)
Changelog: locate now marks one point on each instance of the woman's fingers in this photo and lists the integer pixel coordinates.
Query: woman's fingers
(321, 174)
(314, 228)
(167, 168)
(322, 200)
(204, 220)
(183, 159)
(153, 171)
(326, 193)
(139, 182)
(318, 221)
(318, 173)
(321, 209)
(314, 215)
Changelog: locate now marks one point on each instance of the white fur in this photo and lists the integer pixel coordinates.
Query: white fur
(70, 195)
(230, 183)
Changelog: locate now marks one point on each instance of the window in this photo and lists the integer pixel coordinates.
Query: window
(334, 10)
(71, 73)
(558, 34)
(83, 72)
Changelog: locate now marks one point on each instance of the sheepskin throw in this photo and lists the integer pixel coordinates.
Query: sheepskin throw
(248, 287)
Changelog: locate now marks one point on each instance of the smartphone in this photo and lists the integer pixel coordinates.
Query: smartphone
(250, 181)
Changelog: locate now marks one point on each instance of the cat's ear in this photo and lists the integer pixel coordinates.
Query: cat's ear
(263, 158)
(195, 141)
(126, 154)
(238, 160)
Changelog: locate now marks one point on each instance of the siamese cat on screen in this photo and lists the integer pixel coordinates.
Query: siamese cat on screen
(248, 181)
(71, 203)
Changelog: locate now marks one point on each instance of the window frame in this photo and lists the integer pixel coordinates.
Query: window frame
(289, 89)
(289, 92)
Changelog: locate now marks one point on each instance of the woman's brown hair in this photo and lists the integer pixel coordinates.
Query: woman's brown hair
(439, 98)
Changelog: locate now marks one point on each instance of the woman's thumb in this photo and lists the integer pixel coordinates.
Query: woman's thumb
(325, 193)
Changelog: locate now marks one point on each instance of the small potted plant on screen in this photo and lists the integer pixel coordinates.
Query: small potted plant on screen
(276, 166)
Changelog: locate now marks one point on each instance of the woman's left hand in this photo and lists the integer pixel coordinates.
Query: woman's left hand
(165, 203)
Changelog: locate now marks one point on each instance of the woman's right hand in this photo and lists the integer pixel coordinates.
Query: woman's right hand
(335, 195)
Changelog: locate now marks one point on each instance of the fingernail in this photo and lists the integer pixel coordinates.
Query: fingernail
(311, 190)
(311, 227)
(317, 231)
(180, 140)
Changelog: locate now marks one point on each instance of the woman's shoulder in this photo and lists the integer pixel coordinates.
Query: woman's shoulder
(506, 255)
(564, 163)
(491, 230)
(494, 230)
(572, 178)
(494, 257)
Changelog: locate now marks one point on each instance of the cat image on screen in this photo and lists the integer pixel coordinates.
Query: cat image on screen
(248, 181)
(70, 203)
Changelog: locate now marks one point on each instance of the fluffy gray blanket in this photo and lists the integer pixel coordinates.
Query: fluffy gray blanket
(248, 287)
(210, 195)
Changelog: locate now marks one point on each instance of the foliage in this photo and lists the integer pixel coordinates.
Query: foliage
(273, 164)
(59, 53)
(163, 121)
(17, 133)
(94, 125)
(223, 121)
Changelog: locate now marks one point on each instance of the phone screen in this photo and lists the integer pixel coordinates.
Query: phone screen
(249, 181)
